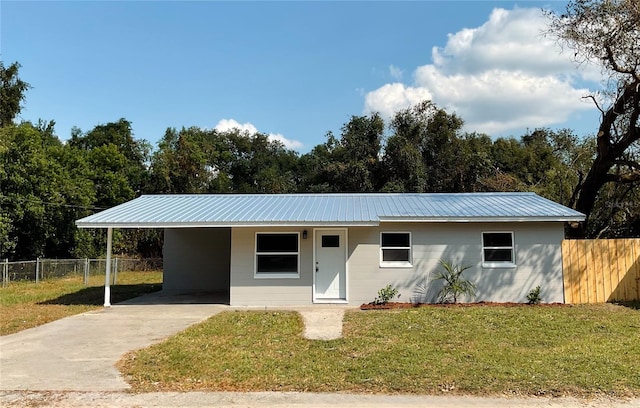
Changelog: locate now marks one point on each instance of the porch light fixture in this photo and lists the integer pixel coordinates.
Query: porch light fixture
(304, 234)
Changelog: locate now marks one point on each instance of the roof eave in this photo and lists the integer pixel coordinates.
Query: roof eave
(224, 224)
(133, 225)
(485, 219)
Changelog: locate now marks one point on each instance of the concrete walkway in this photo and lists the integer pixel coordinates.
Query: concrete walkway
(322, 323)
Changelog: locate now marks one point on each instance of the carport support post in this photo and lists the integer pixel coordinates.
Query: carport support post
(107, 274)
(86, 271)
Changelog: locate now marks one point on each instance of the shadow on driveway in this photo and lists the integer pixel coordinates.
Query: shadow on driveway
(171, 298)
(94, 296)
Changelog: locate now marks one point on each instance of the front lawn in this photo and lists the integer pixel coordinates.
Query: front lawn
(526, 350)
(26, 304)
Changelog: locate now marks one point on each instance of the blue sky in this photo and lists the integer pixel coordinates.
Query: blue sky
(294, 70)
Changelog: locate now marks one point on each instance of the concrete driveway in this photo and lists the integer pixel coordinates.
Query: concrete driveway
(79, 352)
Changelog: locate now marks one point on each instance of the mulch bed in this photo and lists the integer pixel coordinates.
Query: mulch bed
(407, 305)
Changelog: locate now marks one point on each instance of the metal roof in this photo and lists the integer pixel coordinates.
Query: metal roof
(233, 210)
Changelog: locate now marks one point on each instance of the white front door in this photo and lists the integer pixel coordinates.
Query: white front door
(330, 265)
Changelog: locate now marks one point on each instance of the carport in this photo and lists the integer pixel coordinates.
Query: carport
(196, 263)
(196, 254)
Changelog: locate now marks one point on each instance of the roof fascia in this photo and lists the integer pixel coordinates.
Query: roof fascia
(482, 219)
(223, 225)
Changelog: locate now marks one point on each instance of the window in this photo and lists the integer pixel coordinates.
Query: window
(331, 241)
(497, 249)
(277, 255)
(395, 249)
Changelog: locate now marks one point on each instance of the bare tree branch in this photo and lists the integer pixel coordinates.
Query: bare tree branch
(623, 178)
(606, 32)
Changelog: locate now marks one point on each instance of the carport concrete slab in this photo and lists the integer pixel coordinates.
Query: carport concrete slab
(79, 352)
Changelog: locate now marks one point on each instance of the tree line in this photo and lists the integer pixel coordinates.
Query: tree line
(46, 184)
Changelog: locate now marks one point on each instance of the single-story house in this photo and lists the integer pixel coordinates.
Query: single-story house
(303, 249)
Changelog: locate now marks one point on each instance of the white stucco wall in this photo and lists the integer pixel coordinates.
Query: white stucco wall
(210, 259)
(247, 290)
(537, 251)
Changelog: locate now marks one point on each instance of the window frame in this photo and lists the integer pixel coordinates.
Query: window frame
(396, 264)
(499, 264)
(276, 275)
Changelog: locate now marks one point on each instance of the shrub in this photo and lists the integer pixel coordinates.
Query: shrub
(454, 283)
(385, 295)
(534, 297)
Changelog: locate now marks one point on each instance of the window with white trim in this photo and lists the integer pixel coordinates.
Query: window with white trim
(497, 249)
(277, 255)
(395, 249)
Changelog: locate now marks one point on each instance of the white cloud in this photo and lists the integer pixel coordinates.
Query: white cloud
(500, 76)
(510, 40)
(396, 73)
(391, 98)
(290, 144)
(230, 124)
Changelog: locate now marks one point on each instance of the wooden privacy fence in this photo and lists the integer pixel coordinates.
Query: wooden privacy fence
(601, 270)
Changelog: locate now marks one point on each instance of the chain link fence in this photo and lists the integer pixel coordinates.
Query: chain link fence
(43, 269)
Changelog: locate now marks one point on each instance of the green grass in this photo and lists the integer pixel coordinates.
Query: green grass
(26, 304)
(581, 351)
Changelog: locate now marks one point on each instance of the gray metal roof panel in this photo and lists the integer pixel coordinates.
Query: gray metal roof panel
(327, 209)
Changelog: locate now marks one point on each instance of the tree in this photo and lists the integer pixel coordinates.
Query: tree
(424, 152)
(361, 143)
(113, 146)
(196, 160)
(179, 165)
(544, 161)
(607, 32)
(568, 161)
(43, 187)
(117, 172)
(12, 90)
(29, 182)
(403, 158)
(349, 164)
(441, 148)
(474, 162)
(314, 166)
(259, 165)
